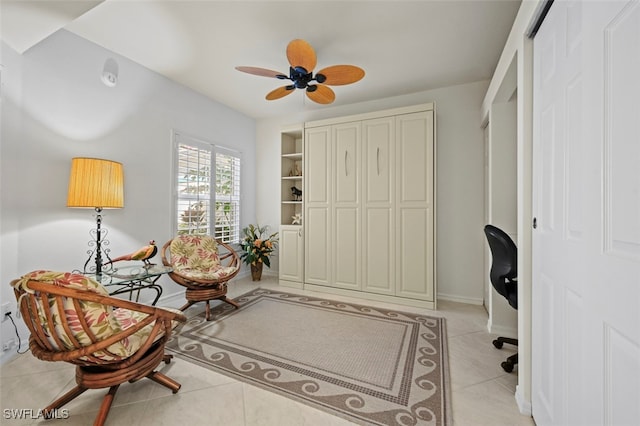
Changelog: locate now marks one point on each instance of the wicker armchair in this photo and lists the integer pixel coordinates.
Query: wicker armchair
(111, 341)
(198, 266)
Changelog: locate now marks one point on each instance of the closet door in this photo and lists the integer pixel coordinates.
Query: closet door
(291, 253)
(378, 221)
(346, 210)
(317, 218)
(414, 206)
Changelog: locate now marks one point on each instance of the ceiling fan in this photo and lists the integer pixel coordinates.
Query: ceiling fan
(302, 61)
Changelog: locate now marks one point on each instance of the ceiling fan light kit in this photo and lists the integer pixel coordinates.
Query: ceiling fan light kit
(302, 60)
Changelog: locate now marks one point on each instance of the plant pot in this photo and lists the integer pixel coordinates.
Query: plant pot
(256, 271)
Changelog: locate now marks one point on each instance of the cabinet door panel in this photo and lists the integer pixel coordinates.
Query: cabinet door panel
(291, 253)
(415, 254)
(378, 136)
(415, 273)
(378, 251)
(346, 248)
(346, 153)
(317, 165)
(414, 147)
(317, 246)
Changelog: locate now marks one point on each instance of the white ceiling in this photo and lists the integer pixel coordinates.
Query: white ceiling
(404, 46)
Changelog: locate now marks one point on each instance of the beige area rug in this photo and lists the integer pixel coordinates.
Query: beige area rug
(368, 365)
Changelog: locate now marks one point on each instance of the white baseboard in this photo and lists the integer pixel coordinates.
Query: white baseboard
(459, 299)
(502, 330)
(523, 405)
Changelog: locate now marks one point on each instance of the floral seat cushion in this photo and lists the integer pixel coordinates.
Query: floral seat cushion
(196, 257)
(103, 320)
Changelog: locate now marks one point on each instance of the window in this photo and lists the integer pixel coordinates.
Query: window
(207, 186)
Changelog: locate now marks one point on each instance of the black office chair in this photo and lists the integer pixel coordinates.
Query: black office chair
(504, 273)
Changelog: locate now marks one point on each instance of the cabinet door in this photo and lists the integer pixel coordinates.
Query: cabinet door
(378, 216)
(346, 210)
(414, 206)
(317, 196)
(291, 253)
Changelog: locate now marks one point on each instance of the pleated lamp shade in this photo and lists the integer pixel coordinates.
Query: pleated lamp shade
(96, 183)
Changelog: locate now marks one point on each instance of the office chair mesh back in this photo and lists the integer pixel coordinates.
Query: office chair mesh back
(504, 268)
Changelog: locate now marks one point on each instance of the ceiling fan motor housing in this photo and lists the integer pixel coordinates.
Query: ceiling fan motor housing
(301, 78)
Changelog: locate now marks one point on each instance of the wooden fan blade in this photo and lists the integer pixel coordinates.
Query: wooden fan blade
(262, 72)
(322, 94)
(301, 54)
(337, 75)
(280, 92)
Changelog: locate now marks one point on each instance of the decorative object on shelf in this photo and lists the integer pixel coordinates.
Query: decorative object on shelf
(302, 61)
(297, 193)
(297, 219)
(257, 248)
(296, 171)
(144, 254)
(98, 184)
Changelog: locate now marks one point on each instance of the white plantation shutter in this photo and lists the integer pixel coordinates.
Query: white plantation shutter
(227, 195)
(207, 195)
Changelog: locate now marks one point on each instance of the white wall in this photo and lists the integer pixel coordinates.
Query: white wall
(460, 187)
(502, 196)
(55, 107)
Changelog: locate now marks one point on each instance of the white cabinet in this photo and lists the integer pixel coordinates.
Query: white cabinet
(291, 254)
(414, 205)
(291, 249)
(318, 206)
(369, 205)
(378, 220)
(345, 207)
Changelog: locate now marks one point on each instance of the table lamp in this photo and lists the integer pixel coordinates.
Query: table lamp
(96, 184)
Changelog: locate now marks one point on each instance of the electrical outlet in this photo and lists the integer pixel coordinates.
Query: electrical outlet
(4, 310)
(9, 344)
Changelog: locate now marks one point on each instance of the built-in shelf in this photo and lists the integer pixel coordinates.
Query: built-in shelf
(291, 175)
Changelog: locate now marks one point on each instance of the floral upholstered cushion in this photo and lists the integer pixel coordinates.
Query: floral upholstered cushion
(196, 257)
(103, 320)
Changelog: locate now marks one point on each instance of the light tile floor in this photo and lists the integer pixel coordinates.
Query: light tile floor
(482, 393)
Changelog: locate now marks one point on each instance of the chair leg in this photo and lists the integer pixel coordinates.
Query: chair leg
(230, 301)
(186, 305)
(64, 399)
(207, 311)
(106, 406)
(165, 381)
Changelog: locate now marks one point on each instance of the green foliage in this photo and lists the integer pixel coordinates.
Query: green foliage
(255, 247)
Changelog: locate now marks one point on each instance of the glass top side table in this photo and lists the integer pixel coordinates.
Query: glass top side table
(132, 279)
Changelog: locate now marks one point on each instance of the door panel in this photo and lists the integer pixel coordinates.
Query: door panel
(586, 262)
(346, 243)
(317, 217)
(317, 246)
(414, 206)
(415, 254)
(346, 153)
(291, 254)
(317, 165)
(378, 251)
(378, 137)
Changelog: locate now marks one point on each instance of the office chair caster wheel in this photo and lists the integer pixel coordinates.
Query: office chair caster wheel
(507, 366)
(498, 344)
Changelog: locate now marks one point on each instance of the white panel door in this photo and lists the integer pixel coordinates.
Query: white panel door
(317, 215)
(378, 216)
(414, 206)
(586, 247)
(346, 206)
(291, 253)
